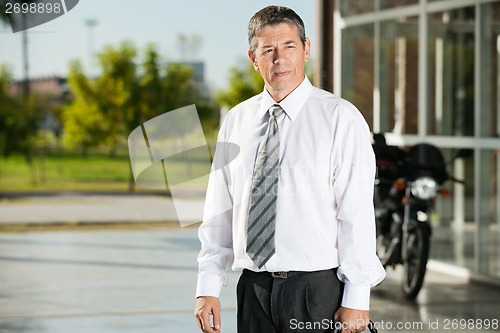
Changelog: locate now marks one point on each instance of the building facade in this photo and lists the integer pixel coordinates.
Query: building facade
(53, 86)
(429, 71)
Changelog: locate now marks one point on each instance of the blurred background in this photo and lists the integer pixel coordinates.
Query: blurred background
(72, 89)
(86, 79)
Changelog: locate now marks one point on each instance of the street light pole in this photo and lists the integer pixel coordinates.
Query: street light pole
(91, 23)
(26, 79)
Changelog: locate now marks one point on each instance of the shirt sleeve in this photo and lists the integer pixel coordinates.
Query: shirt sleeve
(354, 175)
(215, 232)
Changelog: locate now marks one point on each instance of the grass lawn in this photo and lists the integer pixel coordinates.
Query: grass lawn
(65, 173)
(89, 173)
(112, 226)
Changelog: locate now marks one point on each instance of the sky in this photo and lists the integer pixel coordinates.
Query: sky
(222, 25)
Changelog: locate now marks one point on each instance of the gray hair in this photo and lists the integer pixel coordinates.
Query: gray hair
(274, 15)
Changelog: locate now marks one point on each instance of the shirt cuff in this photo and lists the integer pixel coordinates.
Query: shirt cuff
(209, 285)
(356, 296)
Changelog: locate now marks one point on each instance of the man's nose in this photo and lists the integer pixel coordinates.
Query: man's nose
(276, 57)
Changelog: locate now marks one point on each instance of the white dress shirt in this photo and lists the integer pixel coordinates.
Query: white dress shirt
(325, 217)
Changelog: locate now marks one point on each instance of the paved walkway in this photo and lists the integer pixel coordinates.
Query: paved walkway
(143, 281)
(97, 207)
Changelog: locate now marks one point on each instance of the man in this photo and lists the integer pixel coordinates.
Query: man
(294, 209)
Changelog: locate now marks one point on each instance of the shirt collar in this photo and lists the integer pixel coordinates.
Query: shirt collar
(292, 104)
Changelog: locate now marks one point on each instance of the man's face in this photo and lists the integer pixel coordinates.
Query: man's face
(280, 58)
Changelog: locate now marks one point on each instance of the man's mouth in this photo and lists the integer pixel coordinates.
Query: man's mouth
(281, 73)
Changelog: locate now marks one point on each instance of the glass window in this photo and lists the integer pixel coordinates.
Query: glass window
(490, 69)
(349, 8)
(358, 69)
(451, 72)
(385, 4)
(453, 227)
(489, 218)
(399, 76)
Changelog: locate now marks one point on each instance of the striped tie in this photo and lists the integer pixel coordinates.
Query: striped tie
(262, 212)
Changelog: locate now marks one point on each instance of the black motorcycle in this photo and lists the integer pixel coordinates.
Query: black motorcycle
(407, 184)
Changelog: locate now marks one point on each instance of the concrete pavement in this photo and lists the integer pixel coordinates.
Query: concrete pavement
(144, 280)
(109, 281)
(57, 208)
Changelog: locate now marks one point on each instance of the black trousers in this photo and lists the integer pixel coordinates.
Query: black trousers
(301, 302)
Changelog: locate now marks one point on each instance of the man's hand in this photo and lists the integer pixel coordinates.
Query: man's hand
(205, 307)
(353, 321)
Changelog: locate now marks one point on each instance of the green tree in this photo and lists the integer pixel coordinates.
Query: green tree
(19, 119)
(164, 88)
(103, 108)
(106, 109)
(244, 82)
(180, 91)
(151, 85)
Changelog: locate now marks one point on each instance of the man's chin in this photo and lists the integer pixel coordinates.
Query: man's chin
(284, 86)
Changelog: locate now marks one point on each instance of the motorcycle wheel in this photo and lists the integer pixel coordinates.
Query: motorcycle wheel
(414, 266)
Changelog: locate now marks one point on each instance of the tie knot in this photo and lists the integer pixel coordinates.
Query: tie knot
(275, 110)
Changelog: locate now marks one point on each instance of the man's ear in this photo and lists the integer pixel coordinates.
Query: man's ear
(253, 60)
(307, 49)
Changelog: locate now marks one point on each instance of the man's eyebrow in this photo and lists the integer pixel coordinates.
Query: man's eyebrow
(288, 42)
(266, 46)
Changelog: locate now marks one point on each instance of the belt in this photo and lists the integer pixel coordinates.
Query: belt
(286, 274)
(281, 275)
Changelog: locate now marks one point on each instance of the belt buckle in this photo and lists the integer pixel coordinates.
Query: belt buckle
(281, 275)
